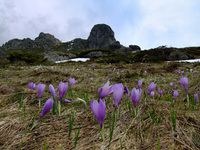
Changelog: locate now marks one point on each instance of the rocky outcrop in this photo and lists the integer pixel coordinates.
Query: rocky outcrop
(101, 36)
(44, 40)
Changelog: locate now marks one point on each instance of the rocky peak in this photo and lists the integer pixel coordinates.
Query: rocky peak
(47, 39)
(101, 36)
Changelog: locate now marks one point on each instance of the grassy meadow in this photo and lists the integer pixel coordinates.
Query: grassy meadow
(161, 122)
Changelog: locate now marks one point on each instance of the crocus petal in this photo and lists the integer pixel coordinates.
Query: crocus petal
(196, 98)
(175, 94)
(53, 92)
(135, 96)
(118, 91)
(99, 110)
(67, 101)
(105, 90)
(47, 107)
(72, 81)
(127, 92)
(40, 89)
(62, 88)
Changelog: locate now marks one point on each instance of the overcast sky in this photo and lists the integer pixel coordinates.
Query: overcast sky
(147, 23)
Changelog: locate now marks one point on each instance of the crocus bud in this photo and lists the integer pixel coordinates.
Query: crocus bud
(175, 94)
(135, 96)
(47, 107)
(40, 89)
(72, 81)
(118, 91)
(62, 88)
(196, 98)
(139, 84)
(99, 110)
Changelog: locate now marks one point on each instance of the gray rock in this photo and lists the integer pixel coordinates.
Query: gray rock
(42, 41)
(101, 36)
(115, 45)
(135, 47)
(94, 54)
(178, 55)
(54, 56)
(46, 40)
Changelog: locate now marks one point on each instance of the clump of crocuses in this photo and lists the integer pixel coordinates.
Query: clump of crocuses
(32, 85)
(152, 86)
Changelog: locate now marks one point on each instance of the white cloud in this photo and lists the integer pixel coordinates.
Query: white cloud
(147, 23)
(165, 22)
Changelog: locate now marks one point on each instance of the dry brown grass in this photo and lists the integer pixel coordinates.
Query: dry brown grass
(139, 132)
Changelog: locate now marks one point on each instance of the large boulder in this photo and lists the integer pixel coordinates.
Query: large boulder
(135, 47)
(101, 36)
(56, 56)
(177, 54)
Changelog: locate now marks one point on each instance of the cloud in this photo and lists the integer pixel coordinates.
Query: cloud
(165, 22)
(147, 23)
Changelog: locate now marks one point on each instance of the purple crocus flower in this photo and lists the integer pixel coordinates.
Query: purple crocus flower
(105, 90)
(53, 92)
(175, 94)
(160, 92)
(121, 71)
(145, 72)
(110, 71)
(62, 88)
(171, 84)
(182, 72)
(118, 91)
(184, 82)
(47, 107)
(40, 89)
(160, 77)
(196, 98)
(91, 79)
(127, 92)
(152, 86)
(135, 96)
(152, 94)
(99, 110)
(72, 81)
(139, 84)
(32, 85)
